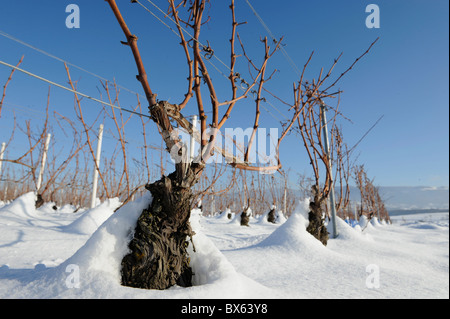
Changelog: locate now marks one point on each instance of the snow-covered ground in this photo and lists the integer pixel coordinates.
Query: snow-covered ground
(48, 253)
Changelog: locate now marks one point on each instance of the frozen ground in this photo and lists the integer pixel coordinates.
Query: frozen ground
(60, 254)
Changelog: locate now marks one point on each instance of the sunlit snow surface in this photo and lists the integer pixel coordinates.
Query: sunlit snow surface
(49, 253)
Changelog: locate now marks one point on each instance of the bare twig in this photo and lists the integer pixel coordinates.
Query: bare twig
(6, 85)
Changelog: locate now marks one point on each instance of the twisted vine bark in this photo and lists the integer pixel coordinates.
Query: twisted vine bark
(245, 218)
(316, 226)
(271, 218)
(158, 258)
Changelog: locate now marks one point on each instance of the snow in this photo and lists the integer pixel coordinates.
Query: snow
(47, 253)
(279, 216)
(92, 219)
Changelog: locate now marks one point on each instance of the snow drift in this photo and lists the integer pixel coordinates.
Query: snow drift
(93, 218)
(41, 258)
(94, 270)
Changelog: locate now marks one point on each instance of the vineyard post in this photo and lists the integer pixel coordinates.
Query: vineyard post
(2, 152)
(1, 155)
(44, 159)
(192, 146)
(213, 202)
(327, 150)
(285, 196)
(97, 160)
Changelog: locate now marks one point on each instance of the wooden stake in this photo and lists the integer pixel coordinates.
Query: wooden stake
(44, 159)
(96, 168)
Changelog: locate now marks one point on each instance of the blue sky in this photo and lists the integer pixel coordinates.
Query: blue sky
(404, 78)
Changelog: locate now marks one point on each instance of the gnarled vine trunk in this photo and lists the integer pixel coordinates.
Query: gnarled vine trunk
(316, 226)
(158, 257)
(39, 201)
(271, 218)
(245, 218)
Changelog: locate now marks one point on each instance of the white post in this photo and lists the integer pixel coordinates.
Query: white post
(97, 161)
(5, 193)
(44, 159)
(327, 149)
(192, 147)
(2, 151)
(213, 202)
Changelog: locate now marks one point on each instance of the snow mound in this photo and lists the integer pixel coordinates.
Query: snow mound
(349, 233)
(365, 223)
(93, 218)
(23, 211)
(214, 276)
(224, 215)
(207, 262)
(107, 246)
(94, 270)
(23, 206)
(51, 208)
(279, 217)
(292, 234)
(48, 208)
(263, 218)
(236, 218)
